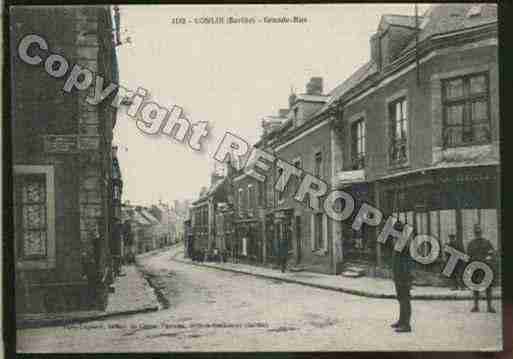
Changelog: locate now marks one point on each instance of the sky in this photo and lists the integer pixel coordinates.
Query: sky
(229, 75)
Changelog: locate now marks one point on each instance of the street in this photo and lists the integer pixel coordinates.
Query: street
(213, 310)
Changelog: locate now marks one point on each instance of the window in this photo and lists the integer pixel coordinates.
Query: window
(466, 110)
(251, 197)
(240, 201)
(116, 192)
(31, 203)
(34, 215)
(358, 144)
(318, 164)
(398, 114)
(319, 235)
(280, 193)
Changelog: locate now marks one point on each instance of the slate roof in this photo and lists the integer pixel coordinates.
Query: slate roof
(399, 20)
(149, 216)
(311, 98)
(444, 18)
(358, 76)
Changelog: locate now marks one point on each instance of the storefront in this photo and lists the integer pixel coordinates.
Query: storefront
(249, 240)
(358, 246)
(442, 202)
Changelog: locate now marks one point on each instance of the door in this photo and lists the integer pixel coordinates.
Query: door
(298, 239)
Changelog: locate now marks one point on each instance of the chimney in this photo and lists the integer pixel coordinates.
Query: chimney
(271, 123)
(314, 86)
(214, 178)
(292, 99)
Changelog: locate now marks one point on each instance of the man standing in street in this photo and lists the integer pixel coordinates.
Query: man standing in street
(284, 253)
(480, 249)
(457, 275)
(401, 269)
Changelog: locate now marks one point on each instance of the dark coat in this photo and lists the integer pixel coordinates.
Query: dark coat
(480, 249)
(402, 266)
(283, 248)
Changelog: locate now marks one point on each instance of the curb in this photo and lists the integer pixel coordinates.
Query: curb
(357, 292)
(26, 324)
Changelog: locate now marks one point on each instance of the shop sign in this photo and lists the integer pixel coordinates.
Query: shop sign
(60, 144)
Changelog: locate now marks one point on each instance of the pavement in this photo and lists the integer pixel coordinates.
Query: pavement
(132, 295)
(370, 287)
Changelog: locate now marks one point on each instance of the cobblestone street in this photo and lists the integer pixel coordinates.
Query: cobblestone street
(209, 310)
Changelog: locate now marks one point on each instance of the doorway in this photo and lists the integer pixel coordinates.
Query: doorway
(298, 228)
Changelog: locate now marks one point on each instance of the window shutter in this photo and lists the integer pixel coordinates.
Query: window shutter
(312, 231)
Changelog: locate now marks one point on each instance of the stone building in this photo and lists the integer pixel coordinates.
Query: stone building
(62, 162)
(203, 215)
(301, 142)
(417, 129)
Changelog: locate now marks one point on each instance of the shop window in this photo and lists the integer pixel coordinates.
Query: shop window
(318, 231)
(466, 110)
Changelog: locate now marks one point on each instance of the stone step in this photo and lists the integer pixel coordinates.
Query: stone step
(352, 274)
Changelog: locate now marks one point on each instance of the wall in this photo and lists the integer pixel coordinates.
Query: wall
(424, 124)
(41, 108)
(306, 147)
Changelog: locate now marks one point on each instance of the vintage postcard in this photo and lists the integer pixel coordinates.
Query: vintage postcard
(233, 178)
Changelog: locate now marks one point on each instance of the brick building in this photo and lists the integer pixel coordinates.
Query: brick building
(62, 163)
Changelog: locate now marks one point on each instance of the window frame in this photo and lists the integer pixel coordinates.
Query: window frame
(318, 153)
(404, 126)
(49, 261)
(466, 101)
(281, 195)
(358, 143)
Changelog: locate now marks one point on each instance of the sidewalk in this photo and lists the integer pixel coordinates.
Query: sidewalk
(362, 286)
(132, 295)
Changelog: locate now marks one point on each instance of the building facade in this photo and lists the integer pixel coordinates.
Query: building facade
(413, 132)
(62, 164)
(419, 126)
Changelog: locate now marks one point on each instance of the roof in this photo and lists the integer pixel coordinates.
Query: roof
(399, 20)
(438, 19)
(139, 218)
(149, 216)
(311, 98)
(358, 76)
(211, 191)
(444, 18)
